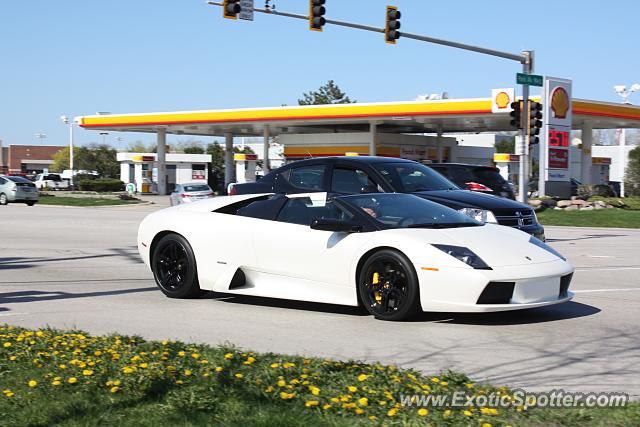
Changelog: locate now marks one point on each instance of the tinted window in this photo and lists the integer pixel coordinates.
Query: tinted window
(350, 181)
(307, 177)
(409, 177)
(53, 178)
(460, 175)
(489, 176)
(199, 187)
(302, 211)
(394, 210)
(2, 180)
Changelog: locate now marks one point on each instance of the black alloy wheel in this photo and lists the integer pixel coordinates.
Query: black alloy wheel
(174, 267)
(388, 286)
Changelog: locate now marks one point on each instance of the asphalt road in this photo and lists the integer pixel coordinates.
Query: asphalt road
(78, 267)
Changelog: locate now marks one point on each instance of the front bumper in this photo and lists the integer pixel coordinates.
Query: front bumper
(461, 289)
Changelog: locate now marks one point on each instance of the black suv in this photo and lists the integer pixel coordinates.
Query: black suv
(352, 175)
(484, 179)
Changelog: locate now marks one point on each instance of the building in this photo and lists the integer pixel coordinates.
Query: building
(29, 159)
(141, 169)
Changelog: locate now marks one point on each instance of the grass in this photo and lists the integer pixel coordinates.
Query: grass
(84, 201)
(49, 377)
(618, 218)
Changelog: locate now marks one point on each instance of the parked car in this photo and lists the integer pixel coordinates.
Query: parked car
(185, 193)
(484, 179)
(51, 181)
(16, 189)
(364, 174)
(394, 254)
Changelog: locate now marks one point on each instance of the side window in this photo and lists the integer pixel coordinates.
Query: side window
(2, 181)
(460, 175)
(307, 177)
(302, 211)
(350, 181)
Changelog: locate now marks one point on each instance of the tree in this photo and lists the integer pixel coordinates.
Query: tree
(99, 158)
(506, 145)
(194, 149)
(632, 173)
(327, 94)
(217, 156)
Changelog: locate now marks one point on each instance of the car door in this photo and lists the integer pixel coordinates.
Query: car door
(303, 178)
(288, 247)
(351, 179)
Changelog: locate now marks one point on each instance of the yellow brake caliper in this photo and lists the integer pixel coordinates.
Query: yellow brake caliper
(377, 294)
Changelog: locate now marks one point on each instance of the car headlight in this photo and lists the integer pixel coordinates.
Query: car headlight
(479, 215)
(539, 243)
(465, 255)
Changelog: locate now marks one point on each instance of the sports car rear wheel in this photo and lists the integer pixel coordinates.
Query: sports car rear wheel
(174, 267)
(388, 286)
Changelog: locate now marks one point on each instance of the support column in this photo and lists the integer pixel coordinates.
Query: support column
(229, 174)
(266, 167)
(373, 139)
(439, 144)
(587, 143)
(161, 160)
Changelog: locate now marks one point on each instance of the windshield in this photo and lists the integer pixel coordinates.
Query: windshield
(52, 178)
(408, 177)
(489, 176)
(393, 210)
(196, 187)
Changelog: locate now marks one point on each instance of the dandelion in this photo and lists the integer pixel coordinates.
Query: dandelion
(311, 403)
(239, 376)
(363, 401)
(314, 390)
(8, 393)
(362, 377)
(469, 385)
(33, 383)
(286, 396)
(195, 355)
(282, 383)
(7, 345)
(446, 413)
(275, 365)
(128, 370)
(218, 369)
(288, 365)
(181, 353)
(435, 379)
(12, 358)
(87, 372)
(228, 356)
(359, 411)
(468, 413)
(114, 389)
(144, 365)
(373, 417)
(116, 383)
(423, 412)
(56, 382)
(97, 353)
(326, 406)
(187, 372)
(72, 380)
(352, 389)
(444, 383)
(249, 360)
(269, 389)
(392, 412)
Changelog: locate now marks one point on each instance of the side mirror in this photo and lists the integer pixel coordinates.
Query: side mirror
(370, 188)
(335, 225)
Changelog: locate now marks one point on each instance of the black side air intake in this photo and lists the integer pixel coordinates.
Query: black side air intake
(565, 281)
(497, 293)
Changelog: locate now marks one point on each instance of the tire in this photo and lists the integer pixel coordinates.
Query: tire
(3, 199)
(174, 267)
(30, 203)
(396, 293)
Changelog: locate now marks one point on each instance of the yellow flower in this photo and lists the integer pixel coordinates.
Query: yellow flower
(195, 355)
(187, 372)
(109, 383)
(7, 345)
(56, 382)
(72, 380)
(269, 389)
(33, 383)
(179, 382)
(228, 356)
(39, 333)
(335, 400)
(423, 412)
(181, 353)
(444, 382)
(219, 369)
(239, 376)
(435, 379)
(165, 342)
(486, 425)
(8, 393)
(63, 366)
(275, 365)
(362, 377)
(382, 403)
(282, 383)
(326, 406)
(144, 365)
(314, 390)
(116, 383)
(12, 357)
(288, 365)
(363, 401)
(128, 370)
(468, 413)
(469, 385)
(446, 413)
(286, 396)
(352, 389)
(97, 353)
(359, 411)
(310, 403)
(114, 389)
(392, 412)
(87, 372)
(373, 418)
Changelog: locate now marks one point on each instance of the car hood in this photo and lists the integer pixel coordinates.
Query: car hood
(458, 199)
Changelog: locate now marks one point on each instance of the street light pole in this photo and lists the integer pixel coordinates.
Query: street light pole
(625, 94)
(69, 122)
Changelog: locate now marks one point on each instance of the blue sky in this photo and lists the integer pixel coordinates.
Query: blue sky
(77, 57)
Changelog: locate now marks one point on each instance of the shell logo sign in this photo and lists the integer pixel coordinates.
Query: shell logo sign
(560, 103)
(501, 100)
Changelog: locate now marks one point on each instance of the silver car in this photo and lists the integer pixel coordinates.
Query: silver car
(186, 193)
(17, 189)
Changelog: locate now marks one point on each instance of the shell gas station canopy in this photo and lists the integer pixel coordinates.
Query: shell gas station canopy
(445, 116)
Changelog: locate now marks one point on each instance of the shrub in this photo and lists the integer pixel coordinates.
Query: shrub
(586, 191)
(101, 185)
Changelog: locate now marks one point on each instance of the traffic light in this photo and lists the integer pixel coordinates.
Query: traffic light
(316, 15)
(231, 8)
(535, 122)
(391, 33)
(516, 114)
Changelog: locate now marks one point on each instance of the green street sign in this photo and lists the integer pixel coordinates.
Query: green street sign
(529, 79)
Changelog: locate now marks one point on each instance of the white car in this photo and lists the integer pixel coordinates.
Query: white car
(187, 193)
(51, 181)
(395, 254)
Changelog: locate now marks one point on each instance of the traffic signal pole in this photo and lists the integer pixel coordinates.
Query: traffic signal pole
(525, 58)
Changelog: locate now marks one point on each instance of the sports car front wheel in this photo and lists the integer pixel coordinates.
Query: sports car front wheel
(174, 267)
(388, 286)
